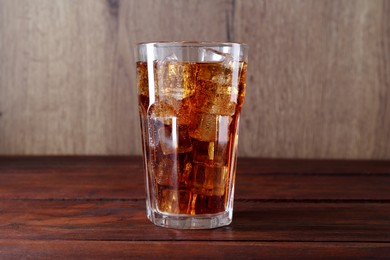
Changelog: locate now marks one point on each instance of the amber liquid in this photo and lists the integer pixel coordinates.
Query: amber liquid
(189, 118)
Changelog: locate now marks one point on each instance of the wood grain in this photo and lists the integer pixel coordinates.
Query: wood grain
(318, 82)
(124, 185)
(318, 78)
(125, 220)
(67, 71)
(35, 164)
(78, 207)
(184, 249)
(65, 178)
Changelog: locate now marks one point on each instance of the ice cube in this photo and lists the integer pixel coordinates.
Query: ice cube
(207, 204)
(210, 153)
(182, 109)
(208, 54)
(206, 127)
(163, 112)
(218, 73)
(175, 79)
(209, 180)
(174, 201)
(151, 127)
(166, 172)
(170, 170)
(174, 139)
(214, 103)
(217, 83)
(171, 109)
(218, 67)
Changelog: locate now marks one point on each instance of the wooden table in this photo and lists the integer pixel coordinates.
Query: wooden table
(93, 207)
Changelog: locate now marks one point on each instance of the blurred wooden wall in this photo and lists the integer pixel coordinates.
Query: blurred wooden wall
(318, 85)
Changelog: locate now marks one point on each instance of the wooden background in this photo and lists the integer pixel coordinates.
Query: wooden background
(318, 83)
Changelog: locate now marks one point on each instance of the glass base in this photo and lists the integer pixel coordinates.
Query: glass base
(206, 221)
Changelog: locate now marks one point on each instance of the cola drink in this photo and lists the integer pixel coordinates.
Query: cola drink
(189, 113)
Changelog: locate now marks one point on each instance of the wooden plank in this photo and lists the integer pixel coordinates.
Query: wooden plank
(58, 76)
(318, 82)
(67, 71)
(35, 164)
(122, 178)
(124, 184)
(16, 249)
(318, 78)
(131, 185)
(245, 165)
(253, 221)
(312, 167)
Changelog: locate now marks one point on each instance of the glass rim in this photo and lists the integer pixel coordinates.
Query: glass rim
(191, 44)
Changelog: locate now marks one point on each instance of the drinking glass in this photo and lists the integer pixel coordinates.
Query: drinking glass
(190, 98)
